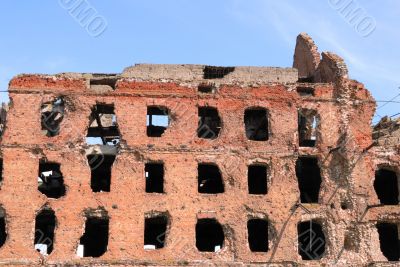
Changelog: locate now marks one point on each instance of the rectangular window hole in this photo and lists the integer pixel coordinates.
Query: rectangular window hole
(158, 119)
(52, 114)
(386, 187)
(309, 179)
(257, 179)
(103, 127)
(308, 123)
(212, 72)
(3, 232)
(305, 91)
(209, 235)
(45, 224)
(100, 166)
(256, 124)
(306, 80)
(50, 179)
(154, 174)
(206, 88)
(311, 240)
(155, 229)
(389, 240)
(104, 83)
(209, 123)
(94, 241)
(209, 179)
(258, 235)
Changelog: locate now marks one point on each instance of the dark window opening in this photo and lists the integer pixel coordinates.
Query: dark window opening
(45, 224)
(50, 180)
(52, 114)
(209, 179)
(258, 235)
(211, 72)
(305, 79)
(387, 187)
(103, 127)
(209, 235)
(158, 119)
(308, 123)
(311, 240)
(257, 179)
(3, 117)
(389, 240)
(309, 178)
(154, 174)
(155, 229)
(3, 232)
(95, 239)
(206, 88)
(104, 83)
(305, 91)
(256, 124)
(100, 166)
(209, 123)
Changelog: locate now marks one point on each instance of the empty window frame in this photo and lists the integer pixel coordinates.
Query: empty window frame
(50, 179)
(386, 186)
(45, 224)
(209, 235)
(52, 114)
(212, 72)
(257, 178)
(100, 167)
(158, 119)
(154, 174)
(3, 232)
(311, 240)
(308, 122)
(256, 124)
(389, 240)
(103, 127)
(209, 123)
(206, 88)
(309, 179)
(155, 229)
(103, 83)
(257, 230)
(94, 241)
(209, 179)
(3, 117)
(305, 91)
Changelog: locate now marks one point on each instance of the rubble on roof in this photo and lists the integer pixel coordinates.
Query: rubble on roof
(387, 132)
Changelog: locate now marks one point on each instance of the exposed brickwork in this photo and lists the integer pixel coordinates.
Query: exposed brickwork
(344, 150)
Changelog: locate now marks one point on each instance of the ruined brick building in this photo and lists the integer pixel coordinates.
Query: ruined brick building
(194, 165)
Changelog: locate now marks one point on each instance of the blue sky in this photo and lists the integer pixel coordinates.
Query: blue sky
(46, 38)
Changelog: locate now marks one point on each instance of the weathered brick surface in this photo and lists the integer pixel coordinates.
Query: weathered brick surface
(347, 163)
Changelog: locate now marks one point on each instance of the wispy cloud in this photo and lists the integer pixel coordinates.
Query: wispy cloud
(287, 20)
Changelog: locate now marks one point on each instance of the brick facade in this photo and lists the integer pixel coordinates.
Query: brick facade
(344, 151)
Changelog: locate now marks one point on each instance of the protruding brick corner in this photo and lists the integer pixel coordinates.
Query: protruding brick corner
(306, 56)
(331, 68)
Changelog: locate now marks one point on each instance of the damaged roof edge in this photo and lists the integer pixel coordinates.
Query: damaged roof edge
(177, 73)
(189, 72)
